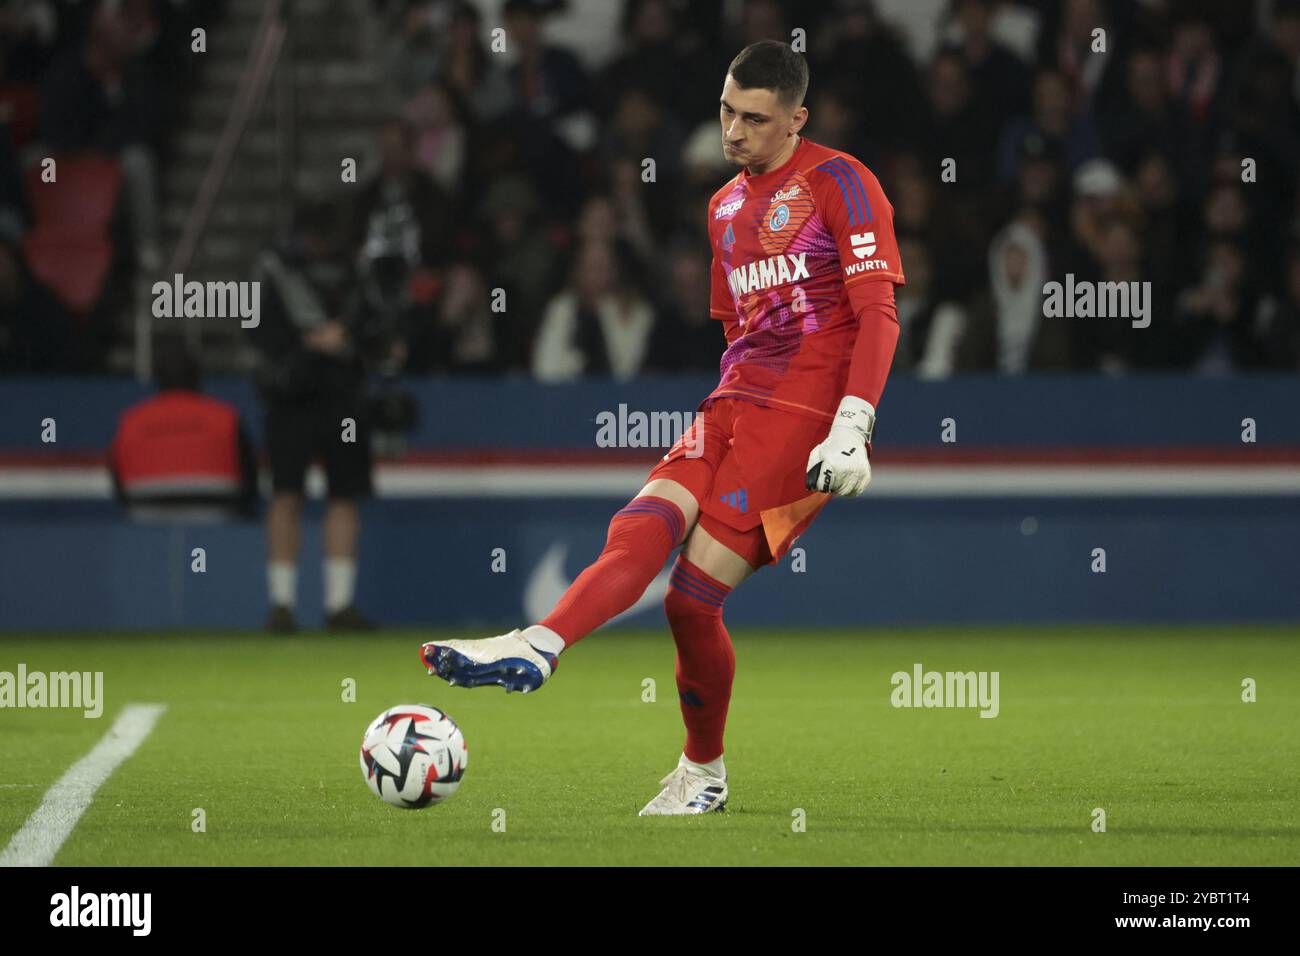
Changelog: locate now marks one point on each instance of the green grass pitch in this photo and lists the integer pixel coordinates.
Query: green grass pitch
(1146, 723)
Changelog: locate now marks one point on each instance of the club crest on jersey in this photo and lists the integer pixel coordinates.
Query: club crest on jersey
(728, 238)
(765, 273)
(780, 216)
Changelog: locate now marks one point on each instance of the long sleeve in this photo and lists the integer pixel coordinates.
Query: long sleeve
(873, 349)
(861, 221)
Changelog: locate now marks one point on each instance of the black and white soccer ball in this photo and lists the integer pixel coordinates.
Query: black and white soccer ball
(413, 756)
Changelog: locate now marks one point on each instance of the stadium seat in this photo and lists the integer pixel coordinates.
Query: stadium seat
(69, 247)
(20, 107)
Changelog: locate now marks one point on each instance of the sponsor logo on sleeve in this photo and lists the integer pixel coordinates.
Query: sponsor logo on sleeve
(864, 247)
(864, 244)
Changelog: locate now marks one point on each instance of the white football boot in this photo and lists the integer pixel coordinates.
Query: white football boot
(688, 789)
(507, 659)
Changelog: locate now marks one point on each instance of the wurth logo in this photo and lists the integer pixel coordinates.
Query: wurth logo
(871, 265)
(765, 273)
(864, 244)
(864, 247)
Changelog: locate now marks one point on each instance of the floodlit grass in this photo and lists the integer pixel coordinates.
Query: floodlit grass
(1146, 723)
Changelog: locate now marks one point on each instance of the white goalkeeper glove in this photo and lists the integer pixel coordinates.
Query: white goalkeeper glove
(841, 464)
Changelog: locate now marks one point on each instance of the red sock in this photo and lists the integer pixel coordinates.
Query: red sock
(706, 661)
(641, 536)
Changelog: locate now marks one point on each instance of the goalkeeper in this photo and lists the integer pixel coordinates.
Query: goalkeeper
(804, 268)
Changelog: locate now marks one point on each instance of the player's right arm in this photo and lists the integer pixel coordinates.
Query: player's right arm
(861, 221)
(721, 305)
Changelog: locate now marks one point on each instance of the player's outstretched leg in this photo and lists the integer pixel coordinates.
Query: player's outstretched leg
(640, 538)
(508, 660)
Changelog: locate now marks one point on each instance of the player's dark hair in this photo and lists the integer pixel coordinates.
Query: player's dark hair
(772, 65)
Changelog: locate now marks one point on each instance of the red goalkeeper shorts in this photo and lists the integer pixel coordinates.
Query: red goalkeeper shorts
(745, 465)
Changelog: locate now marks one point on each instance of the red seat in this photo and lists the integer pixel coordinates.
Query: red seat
(69, 247)
(21, 107)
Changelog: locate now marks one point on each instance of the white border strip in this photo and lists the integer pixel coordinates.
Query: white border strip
(621, 481)
(38, 842)
(901, 481)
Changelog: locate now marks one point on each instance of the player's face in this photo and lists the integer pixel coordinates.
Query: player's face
(755, 126)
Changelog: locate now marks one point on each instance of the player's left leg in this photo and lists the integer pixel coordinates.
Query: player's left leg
(755, 510)
(704, 576)
(706, 572)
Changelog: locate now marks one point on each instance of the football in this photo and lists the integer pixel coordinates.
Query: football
(413, 756)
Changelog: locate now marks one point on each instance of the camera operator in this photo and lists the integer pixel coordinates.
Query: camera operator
(313, 336)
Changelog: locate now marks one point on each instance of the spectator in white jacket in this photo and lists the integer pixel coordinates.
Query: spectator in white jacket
(600, 323)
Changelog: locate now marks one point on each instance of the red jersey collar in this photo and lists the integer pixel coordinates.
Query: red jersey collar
(762, 179)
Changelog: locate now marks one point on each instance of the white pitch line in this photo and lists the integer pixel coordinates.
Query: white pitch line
(37, 843)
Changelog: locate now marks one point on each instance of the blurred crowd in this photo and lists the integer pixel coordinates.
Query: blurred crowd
(512, 223)
(90, 92)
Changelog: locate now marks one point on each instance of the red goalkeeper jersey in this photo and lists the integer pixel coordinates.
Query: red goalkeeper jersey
(801, 254)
